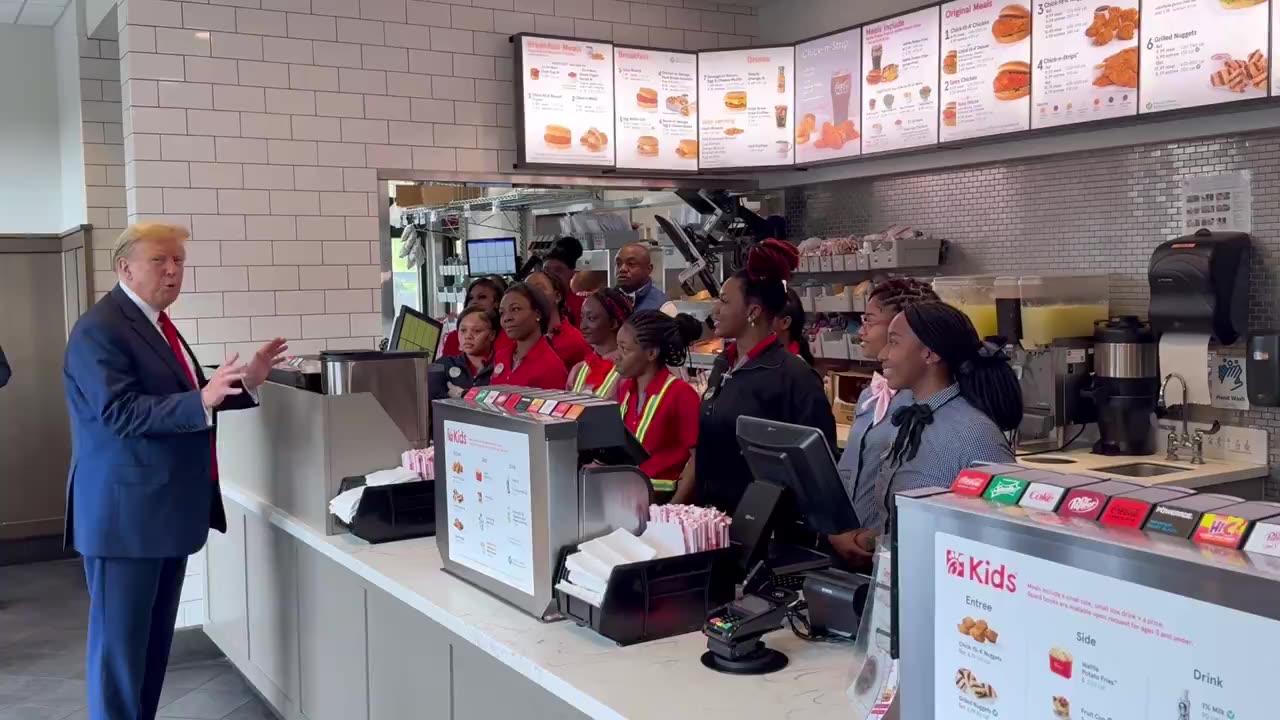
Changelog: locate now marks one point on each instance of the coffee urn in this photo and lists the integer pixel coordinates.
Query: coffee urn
(1126, 386)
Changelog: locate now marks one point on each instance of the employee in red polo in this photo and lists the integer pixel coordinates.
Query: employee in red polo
(660, 409)
(529, 359)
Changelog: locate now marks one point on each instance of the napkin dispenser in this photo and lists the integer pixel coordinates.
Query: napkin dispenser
(1200, 284)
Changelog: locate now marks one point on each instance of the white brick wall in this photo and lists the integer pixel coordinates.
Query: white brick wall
(262, 127)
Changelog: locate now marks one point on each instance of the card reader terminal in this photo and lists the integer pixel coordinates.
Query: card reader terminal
(733, 633)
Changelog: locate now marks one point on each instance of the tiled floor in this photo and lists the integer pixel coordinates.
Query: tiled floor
(43, 611)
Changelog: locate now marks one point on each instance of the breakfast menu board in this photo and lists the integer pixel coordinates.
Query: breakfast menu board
(986, 69)
(1016, 636)
(744, 107)
(656, 127)
(899, 82)
(828, 98)
(1203, 52)
(490, 503)
(1085, 57)
(567, 101)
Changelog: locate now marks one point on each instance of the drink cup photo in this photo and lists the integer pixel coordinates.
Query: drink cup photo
(841, 92)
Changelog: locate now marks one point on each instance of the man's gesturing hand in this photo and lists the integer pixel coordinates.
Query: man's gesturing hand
(223, 382)
(266, 358)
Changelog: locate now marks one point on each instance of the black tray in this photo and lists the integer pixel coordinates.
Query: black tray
(392, 512)
(656, 598)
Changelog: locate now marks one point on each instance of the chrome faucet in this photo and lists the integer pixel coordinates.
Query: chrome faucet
(1197, 443)
(1173, 442)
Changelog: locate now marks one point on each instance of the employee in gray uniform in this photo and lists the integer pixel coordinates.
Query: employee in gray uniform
(964, 398)
(5, 372)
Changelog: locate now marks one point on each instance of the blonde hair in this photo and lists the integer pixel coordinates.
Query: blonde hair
(144, 231)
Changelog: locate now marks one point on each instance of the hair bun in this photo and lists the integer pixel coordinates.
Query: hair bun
(772, 260)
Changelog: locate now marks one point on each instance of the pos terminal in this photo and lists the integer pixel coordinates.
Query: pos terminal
(794, 472)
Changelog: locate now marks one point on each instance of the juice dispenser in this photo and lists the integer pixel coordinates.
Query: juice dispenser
(1062, 306)
(974, 295)
(1008, 295)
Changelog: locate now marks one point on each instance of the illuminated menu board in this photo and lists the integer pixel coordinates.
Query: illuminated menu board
(1203, 53)
(744, 110)
(986, 69)
(828, 97)
(566, 101)
(1085, 59)
(656, 109)
(899, 81)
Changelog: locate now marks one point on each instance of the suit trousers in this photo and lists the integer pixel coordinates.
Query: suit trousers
(133, 606)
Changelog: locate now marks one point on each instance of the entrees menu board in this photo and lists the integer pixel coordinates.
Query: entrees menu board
(828, 97)
(567, 103)
(1085, 57)
(744, 109)
(1203, 52)
(1016, 636)
(986, 69)
(657, 109)
(899, 82)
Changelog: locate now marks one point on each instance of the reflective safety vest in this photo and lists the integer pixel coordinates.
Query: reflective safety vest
(646, 419)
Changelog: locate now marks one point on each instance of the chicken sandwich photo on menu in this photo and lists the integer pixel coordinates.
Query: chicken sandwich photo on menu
(558, 137)
(735, 100)
(1013, 80)
(647, 145)
(647, 98)
(1013, 25)
(949, 62)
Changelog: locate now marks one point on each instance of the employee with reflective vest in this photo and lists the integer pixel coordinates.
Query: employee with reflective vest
(658, 407)
(603, 314)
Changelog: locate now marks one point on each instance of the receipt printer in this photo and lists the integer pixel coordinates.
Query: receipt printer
(835, 599)
(1200, 284)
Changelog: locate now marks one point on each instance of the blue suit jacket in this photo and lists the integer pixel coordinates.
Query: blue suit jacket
(140, 484)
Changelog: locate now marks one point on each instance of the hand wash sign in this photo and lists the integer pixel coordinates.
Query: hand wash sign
(1227, 382)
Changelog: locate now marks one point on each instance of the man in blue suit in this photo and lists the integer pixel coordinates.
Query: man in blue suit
(143, 488)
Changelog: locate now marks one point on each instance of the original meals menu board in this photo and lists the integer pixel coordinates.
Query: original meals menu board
(828, 98)
(1086, 61)
(744, 107)
(986, 69)
(1016, 636)
(900, 81)
(566, 101)
(656, 109)
(490, 504)
(1203, 52)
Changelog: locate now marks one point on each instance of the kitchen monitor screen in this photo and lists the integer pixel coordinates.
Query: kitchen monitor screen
(491, 256)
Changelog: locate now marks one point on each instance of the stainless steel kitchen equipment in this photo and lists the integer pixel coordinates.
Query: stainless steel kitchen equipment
(1055, 382)
(1126, 386)
(323, 418)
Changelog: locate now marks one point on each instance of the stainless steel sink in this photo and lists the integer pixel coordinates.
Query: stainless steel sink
(1045, 460)
(1142, 470)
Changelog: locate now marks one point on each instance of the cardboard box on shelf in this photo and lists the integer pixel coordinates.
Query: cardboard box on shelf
(415, 195)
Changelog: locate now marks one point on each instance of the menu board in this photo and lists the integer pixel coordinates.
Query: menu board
(656, 125)
(1203, 52)
(828, 97)
(1085, 57)
(567, 101)
(490, 503)
(899, 82)
(986, 69)
(1016, 636)
(744, 107)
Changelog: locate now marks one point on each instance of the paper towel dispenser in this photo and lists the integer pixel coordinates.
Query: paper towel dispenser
(1200, 284)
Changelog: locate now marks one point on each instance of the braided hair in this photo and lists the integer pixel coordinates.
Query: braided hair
(986, 381)
(898, 293)
(617, 304)
(795, 331)
(670, 336)
(557, 283)
(764, 279)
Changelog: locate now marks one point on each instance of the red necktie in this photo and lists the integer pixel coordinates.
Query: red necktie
(170, 332)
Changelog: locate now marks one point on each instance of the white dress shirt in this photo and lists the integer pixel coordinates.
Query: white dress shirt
(153, 316)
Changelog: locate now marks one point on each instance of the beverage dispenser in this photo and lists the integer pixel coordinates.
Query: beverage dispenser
(974, 295)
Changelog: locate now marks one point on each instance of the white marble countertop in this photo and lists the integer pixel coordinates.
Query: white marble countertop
(660, 679)
(1212, 472)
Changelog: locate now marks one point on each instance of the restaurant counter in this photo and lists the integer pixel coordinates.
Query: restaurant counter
(333, 628)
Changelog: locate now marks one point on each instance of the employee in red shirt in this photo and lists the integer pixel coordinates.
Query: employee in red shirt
(603, 314)
(789, 327)
(562, 261)
(484, 292)
(529, 359)
(565, 338)
(658, 407)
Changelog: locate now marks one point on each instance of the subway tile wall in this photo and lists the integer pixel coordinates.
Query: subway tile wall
(261, 124)
(1102, 211)
(102, 133)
